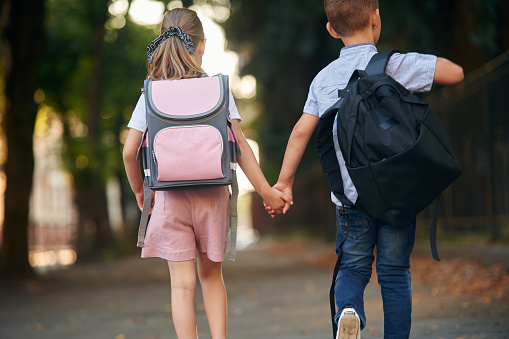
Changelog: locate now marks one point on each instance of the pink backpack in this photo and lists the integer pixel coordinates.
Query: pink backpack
(189, 141)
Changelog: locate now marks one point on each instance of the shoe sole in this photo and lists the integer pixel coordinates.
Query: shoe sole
(348, 327)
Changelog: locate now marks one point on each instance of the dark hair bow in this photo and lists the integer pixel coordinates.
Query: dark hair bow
(173, 30)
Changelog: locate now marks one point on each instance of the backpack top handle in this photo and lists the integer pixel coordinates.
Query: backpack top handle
(376, 65)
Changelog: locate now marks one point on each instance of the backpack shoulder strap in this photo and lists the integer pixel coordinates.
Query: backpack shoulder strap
(356, 75)
(379, 61)
(327, 153)
(145, 213)
(233, 218)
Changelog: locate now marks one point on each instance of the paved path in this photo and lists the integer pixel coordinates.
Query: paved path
(275, 290)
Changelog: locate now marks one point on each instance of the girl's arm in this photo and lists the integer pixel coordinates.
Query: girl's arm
(247, 161)
(132, 166)
(447, 72)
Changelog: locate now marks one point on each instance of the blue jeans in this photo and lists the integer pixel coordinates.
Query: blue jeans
(393, 249)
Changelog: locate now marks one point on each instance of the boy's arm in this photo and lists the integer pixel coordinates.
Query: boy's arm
(297, 143)
(447, 72)
(247, 161)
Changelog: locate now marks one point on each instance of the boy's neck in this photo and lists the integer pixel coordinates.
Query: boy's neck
(360, 37)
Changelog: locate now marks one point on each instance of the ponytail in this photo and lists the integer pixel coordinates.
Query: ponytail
(173, 59)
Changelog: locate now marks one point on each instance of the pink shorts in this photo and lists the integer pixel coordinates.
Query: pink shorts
(186, 221)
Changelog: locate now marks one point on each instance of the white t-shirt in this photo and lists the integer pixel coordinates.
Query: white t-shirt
(139, 119)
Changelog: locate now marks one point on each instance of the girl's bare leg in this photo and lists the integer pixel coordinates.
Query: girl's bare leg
(183, 289)
(214, 295)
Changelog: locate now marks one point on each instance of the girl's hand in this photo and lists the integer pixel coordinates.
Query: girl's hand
(139, 200)
(277, 201)
(286, 190)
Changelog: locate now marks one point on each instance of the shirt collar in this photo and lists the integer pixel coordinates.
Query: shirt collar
(357, 48)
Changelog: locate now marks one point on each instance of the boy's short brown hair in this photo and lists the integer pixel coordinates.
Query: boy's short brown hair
(348, 16)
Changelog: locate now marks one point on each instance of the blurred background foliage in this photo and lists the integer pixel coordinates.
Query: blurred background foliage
(92, 73)
(284, 44)
(92, 64)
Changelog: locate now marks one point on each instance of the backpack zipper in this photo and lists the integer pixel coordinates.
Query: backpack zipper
(154, 156)
(183, 121)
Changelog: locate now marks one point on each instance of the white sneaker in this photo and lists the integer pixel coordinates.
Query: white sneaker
(349, 325)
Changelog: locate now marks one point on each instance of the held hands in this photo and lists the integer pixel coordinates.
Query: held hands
(277, 200)
(286, 191)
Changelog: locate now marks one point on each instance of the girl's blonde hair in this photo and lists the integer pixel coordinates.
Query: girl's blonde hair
(172, 60)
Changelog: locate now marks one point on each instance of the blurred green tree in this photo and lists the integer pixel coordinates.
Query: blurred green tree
(23, 41)
(72, 75)
(92, 75)
(283, 44)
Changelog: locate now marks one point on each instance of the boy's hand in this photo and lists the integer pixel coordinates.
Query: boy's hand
(287, 191)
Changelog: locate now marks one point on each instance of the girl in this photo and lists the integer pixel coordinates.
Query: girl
(192, 224)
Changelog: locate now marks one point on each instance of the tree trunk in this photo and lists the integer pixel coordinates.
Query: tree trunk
(94, 228)
(95, 232)
(23, 42)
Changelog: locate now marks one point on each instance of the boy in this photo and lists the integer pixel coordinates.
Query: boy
(357, 23)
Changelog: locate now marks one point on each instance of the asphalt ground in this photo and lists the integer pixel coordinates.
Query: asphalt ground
(275, 290)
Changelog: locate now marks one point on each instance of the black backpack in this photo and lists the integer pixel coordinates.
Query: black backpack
(395, 149)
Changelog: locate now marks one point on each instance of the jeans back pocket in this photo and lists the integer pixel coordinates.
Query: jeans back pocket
(352, 223)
